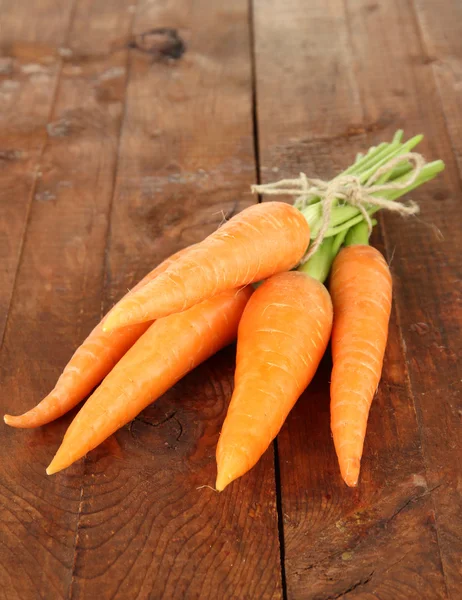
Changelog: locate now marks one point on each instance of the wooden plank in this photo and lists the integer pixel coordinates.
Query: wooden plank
(57, 298)
(313, 71)
(439, 29)
(379, 540)
(29, 70)
(147, 527)
(432, 322)
(427, 293)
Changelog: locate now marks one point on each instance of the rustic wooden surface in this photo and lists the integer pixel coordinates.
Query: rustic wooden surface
(130, 129)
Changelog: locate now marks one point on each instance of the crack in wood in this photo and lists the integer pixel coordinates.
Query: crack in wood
(360, 583)
(146, 421)
(77, 536)
(380, 525)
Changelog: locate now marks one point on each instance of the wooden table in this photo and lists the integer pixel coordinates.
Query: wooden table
(123, 141)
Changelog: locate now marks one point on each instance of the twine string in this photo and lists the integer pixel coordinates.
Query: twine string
(349, 190)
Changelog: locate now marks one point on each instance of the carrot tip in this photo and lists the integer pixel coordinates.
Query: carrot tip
(350, 472)
(54, 467)
(221, 482)
(350, 482)
(15, 421)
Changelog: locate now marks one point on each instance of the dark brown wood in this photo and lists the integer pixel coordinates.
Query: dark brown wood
(427, 269)
(29, 69)
(57, 297)
(148, 527)
(432, 324)
(347, 77)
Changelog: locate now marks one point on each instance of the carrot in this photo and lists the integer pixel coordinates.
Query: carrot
(169, 349)
(361, 288)
(282, 337)
(261, 240)
(91, 362)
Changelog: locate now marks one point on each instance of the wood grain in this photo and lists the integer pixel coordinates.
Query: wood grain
(29, 70)
(57, 299)
(430, 321)
(148, 528)
(438, 27)
(379, 540)
(128, 134)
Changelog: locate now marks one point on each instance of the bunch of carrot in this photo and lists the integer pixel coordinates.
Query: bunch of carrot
(201, 298)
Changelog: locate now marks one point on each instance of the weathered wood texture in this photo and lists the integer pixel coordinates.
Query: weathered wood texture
(432, 327)
(130, 521)
(346, 76)
(57, 296)
(127, 133)
(29, 69)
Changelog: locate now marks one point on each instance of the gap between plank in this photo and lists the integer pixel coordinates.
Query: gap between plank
(282, 550)
(256, 137)
(104, 282)
(253, 73)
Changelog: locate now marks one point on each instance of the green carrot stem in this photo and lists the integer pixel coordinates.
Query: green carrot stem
(358, 234)
(368, 164)
(401, 149)
(402, 169)
(398, 135)
(338, 241)
(345, 215)
(383, 150)
(334, 231)
(318, 266)
(429, 171)
(347, 223)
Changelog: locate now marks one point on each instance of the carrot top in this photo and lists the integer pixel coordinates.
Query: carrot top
(373, 182)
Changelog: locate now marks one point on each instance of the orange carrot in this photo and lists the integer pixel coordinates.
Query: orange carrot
(261, 240)
(282, 337)
(91, 362)
(169, 349)
(360, 287)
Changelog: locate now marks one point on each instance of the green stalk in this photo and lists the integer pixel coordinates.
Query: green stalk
(359, 234)
(430, 171)
(370, 159)
(402, 149)
(318, 266)
(398, 135)
(338, 241)
(345, 216)
(400, 170)
(334, 231)
(363, 169)
(347, 225)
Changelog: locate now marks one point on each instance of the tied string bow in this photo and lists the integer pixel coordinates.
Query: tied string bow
(349, 190)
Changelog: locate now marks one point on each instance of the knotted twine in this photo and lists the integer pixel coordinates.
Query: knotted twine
(349, 190)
